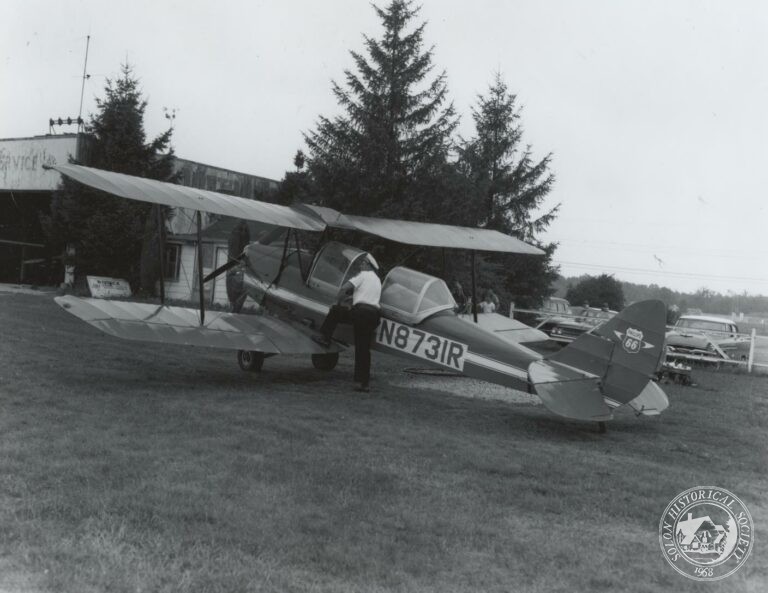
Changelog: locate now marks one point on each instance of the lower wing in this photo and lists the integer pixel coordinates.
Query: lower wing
(181, 325)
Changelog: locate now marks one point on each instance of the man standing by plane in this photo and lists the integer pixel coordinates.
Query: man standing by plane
(365, 290)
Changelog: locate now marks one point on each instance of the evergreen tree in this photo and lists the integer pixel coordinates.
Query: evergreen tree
(380, 157)
(511, 187)
(296, 186)
(115, 237)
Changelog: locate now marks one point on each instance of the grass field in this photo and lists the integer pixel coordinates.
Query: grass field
(135, 467)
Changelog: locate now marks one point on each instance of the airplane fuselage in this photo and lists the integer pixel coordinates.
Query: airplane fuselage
(441, 340)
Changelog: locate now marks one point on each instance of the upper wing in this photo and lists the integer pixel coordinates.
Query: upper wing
(427, 234)
(180, 196)
(304, 217)
(180, 325)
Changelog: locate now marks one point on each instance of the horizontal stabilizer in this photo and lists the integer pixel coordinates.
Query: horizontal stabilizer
(652, 400)
(568, 392)
(181, 325)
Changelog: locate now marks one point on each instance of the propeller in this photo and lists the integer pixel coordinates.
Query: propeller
(227, 266)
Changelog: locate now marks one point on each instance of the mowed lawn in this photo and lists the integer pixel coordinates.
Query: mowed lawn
(138, 467)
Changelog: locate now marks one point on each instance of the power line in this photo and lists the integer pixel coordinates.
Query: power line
(650, 249)
(669, 273)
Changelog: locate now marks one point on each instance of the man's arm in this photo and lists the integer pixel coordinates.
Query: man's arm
(345, 292)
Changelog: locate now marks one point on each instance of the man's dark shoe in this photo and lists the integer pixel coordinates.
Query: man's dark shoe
(363, 388)
(322, 340)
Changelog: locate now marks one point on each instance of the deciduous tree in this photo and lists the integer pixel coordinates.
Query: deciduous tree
(597, 291)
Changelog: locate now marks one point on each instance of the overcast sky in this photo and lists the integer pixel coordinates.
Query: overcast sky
(655, 111)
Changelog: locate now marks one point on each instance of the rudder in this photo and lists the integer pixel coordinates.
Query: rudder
(624, 352)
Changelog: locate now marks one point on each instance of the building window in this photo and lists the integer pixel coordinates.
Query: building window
(172, 261)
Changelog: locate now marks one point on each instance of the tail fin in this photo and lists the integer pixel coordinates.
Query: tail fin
(621, 355)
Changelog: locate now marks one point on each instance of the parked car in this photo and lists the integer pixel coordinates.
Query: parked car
(566, 329)
(552, 310)
(701, 335)
(555, 305)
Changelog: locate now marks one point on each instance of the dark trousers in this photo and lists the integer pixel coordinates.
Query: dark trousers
(364, 319)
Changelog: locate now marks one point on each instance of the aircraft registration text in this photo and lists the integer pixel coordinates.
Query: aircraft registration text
(416, 342)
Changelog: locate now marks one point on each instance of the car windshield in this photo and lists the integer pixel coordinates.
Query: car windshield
(598, 314)
(702, 324)
(412, 292)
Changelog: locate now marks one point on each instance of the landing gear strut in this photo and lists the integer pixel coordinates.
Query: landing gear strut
(248, 360)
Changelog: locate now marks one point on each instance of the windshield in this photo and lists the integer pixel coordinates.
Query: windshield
(598, 314)
(414, 294)
(703, 325)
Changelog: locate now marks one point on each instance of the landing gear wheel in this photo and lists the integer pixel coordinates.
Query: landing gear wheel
(325, 362)
(248, 360)
(602, 428)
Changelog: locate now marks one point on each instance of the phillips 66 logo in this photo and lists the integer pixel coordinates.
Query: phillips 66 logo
(633, 340)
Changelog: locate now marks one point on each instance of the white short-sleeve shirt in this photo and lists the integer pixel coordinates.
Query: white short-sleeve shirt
(487, 307)
(367, 289)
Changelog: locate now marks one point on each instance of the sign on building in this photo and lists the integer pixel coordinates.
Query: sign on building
(22, 160)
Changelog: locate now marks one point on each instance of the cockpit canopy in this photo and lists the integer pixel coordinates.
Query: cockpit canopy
(333, 266)
(407, 295)
(411, 297)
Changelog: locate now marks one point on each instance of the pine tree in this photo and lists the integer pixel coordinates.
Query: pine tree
(394, 136)
(511, 186)
(115, 237)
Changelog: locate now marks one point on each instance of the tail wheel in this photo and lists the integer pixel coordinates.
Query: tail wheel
(248, 360)
(325, 362)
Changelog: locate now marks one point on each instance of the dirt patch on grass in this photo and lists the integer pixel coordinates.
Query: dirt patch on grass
(460, 386)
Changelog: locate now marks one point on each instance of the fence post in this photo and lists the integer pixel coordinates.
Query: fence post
(751, 351)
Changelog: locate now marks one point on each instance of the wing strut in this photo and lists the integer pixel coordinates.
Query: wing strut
(200, 266)
(474, 292)
(276, 281)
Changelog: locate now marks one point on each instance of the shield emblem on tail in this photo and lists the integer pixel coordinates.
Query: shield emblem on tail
(633, 340)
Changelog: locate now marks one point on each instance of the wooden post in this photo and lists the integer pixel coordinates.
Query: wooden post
(200, 266)
(21, 266)
(474, 291)
(161, 250)
(751, 351)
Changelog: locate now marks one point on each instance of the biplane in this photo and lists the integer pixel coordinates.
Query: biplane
(608, 367)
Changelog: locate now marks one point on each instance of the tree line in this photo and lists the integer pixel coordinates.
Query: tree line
(605, 289)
